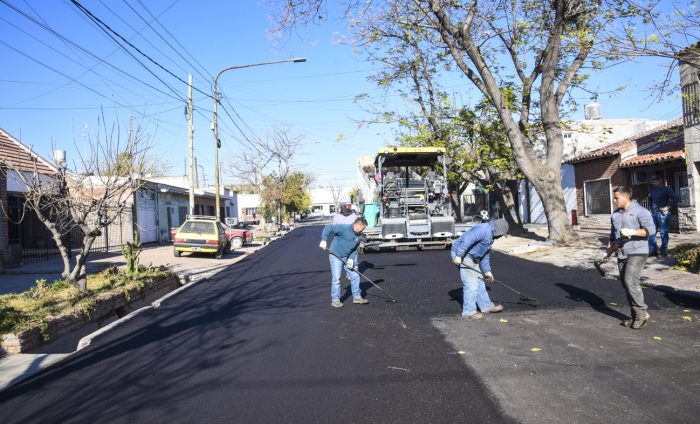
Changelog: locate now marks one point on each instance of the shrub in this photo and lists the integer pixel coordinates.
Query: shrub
(20, 311)
(688, 257)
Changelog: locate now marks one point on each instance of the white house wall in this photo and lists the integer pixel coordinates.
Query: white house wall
(536, 213)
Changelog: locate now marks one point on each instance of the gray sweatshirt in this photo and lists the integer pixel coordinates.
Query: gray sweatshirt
(634, 217)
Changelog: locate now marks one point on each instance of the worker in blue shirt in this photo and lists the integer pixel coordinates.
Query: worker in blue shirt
(661, 200)
(472, 253)
(346, 240)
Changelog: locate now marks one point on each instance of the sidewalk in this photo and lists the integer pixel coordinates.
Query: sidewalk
(592, 244)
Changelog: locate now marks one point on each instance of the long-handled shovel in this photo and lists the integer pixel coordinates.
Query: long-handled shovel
(389, 298)
(524, 299)
(597, 263)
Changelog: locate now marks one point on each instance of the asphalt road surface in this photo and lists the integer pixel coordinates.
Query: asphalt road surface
(259, 343)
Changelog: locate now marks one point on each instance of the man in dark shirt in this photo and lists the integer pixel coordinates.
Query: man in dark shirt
(661, 200)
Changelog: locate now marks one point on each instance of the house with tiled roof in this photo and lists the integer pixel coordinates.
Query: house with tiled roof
(15, 224)
(631, 162)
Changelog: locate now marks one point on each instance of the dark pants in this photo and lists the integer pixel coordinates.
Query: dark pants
(630, 269)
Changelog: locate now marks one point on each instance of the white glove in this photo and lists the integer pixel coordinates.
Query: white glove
(488, 277)
(457, 261)
(322, 245)
(628, 232)
(350, 263)
(664, 210)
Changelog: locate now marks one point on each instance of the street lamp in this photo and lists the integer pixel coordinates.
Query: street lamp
(217, 142)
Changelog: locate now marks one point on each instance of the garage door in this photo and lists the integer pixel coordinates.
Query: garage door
(146, 216)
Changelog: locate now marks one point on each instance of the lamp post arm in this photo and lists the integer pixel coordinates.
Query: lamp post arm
(216, 123)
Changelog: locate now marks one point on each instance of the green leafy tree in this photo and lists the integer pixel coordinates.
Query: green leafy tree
(295, 193)
(542, 49)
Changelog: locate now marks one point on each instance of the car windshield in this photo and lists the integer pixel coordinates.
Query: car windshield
(198, 227)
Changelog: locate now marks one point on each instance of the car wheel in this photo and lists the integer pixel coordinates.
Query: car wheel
(236, 243)
(219, 253)
(176, 253)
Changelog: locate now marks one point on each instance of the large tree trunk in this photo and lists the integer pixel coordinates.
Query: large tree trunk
(548, 185)
(456, 202)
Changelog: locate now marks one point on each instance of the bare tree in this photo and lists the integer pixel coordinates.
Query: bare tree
(90, 196)
(336, 192)
(265, 165)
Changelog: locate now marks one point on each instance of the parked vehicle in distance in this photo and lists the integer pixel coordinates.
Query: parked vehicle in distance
(237, 236)
(203, 234)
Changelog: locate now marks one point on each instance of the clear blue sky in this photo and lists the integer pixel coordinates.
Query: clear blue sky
(313, 99)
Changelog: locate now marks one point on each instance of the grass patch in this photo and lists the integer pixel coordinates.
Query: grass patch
(687, 257)
(43, 302)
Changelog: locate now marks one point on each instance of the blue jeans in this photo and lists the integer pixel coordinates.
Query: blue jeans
(474, 289)
(337, 267)
(662, 223)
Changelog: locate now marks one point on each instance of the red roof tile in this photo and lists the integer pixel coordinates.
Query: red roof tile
(638, 141)
(15, 155)
(669, 150)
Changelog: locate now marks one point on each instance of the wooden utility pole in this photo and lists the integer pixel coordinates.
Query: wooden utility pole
(190, 129)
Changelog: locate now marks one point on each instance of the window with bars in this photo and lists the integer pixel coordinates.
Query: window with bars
(691, 104)
(597, 197)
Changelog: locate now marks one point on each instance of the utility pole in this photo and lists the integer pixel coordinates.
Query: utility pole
(190, 129)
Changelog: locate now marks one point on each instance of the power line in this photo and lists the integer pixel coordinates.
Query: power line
(72, 79)
(118, 16)
(89, 53)
(155, 19)
(107, 30)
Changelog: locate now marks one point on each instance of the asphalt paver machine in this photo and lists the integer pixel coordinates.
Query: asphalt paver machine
(411, 204)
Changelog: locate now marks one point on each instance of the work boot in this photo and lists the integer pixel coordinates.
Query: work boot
(494, 309)
(640, 320)
(360, 301)
(475, 315)
(337, 303)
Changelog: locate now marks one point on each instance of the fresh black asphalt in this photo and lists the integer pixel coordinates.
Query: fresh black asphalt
(259, 343)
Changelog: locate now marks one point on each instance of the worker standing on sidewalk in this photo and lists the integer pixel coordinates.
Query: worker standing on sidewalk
(343, 249)
(472, 253)
(633, 221)
(345, 216)
(661, 200)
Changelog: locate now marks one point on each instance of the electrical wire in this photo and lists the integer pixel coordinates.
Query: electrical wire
(136, 32)
(87, 52)
(155, 19)
(109, 31)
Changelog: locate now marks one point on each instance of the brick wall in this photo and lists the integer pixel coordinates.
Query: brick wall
(686, 219)
(606, 167)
